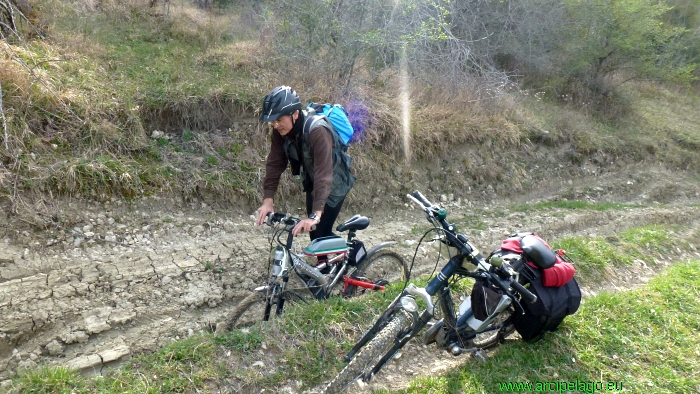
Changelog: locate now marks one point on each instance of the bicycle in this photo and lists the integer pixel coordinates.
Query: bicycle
(459, 330)
(348, 263)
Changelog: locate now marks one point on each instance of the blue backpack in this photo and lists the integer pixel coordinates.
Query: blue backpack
(338, 118)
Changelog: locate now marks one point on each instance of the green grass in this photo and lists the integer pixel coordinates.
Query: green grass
(647, 340)
(49, 380)
(593, 255)
(124, 72)
(156, 60)
(183, 366)
(241, 340)
(654, 238)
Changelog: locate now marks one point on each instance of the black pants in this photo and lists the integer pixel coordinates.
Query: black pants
(325, 227)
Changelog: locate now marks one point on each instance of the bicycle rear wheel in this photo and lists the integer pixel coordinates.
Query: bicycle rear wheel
(382, 268)
(260, 306)
(370, 354)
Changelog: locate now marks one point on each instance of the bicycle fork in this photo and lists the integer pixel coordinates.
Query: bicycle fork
(419, 321)
(274, 295)
(403, 303)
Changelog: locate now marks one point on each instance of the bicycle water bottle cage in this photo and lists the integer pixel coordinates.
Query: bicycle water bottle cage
(326, 245)
(537, 252)
(356, 222)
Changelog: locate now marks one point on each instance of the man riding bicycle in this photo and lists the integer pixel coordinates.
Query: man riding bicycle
(314, 150)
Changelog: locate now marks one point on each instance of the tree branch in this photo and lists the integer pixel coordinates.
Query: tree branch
(4, 122)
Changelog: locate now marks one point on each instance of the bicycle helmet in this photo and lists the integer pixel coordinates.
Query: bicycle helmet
(282, 100)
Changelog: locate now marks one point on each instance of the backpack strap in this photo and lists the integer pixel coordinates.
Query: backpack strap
(313, 121)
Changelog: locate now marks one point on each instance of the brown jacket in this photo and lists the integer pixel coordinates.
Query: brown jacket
(321, 143)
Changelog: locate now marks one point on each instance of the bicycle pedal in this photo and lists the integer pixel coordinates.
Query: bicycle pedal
(480, 355)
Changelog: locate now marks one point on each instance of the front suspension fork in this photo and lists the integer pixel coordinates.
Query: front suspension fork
(376, 327)
(418, 323)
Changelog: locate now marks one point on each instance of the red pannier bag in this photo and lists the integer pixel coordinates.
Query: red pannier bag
(559, 274)
(556, 276)
(548, 276)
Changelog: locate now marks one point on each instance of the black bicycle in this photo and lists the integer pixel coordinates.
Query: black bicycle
(347, 270)
(463, 329)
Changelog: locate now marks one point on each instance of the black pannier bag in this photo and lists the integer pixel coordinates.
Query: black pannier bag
(552, 306)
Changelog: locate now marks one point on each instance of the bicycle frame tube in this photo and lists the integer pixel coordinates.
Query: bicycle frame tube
(440, 281)
(448, 307)
(325, 285)
(338, 275)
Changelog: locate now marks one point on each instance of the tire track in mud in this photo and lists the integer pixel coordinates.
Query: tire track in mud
(126, 281)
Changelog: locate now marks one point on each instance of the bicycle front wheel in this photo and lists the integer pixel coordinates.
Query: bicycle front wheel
(260, 306)
(382, 268)
(370, 354)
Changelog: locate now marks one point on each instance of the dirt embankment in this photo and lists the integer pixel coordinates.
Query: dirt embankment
(129, 278)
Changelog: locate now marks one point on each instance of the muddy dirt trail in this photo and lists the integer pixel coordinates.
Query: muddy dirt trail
(129, 278)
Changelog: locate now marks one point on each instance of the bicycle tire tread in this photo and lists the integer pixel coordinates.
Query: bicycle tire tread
(242, 307)
(370, 352)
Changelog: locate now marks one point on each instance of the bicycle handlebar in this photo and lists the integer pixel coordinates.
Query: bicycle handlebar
(273, 218)
(421, 198)
(278, 217)
(430, 208)
(410, 197)
(525, 293)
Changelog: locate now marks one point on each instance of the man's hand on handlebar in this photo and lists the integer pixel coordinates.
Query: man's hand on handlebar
(305, 226)
(265, 209)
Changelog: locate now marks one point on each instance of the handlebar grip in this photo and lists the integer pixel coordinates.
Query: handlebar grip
(313, 228)
(421, 198)
(274, 218)
(525, 293)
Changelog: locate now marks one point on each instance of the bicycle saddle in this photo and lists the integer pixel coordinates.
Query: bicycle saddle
(356, 222)
(537, 252)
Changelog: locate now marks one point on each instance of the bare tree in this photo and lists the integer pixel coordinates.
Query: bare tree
(334, 39)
